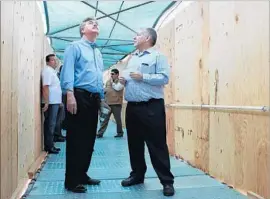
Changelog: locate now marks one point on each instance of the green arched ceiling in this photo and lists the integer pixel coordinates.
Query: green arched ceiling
(118, 20)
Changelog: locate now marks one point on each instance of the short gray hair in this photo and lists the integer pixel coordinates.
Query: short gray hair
(153, 34)
(82, 25)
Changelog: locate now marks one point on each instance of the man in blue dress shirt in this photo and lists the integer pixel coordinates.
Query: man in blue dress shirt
(146, 74)
(82, 83)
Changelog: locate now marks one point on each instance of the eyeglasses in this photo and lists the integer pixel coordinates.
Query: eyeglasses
(112, 73)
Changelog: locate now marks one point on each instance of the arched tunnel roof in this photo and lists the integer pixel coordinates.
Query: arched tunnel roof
(118, 20)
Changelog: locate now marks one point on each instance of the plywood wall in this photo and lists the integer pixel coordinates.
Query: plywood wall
(240, 141)
(191, 84)
(166, 44)
(23, 47)
(222, 58)
(219, 55)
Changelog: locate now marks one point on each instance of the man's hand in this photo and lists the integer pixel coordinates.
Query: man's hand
(71, 103)
(45, 108)
(136, 76)
(122, 81)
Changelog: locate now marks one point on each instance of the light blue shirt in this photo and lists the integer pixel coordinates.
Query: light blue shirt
(155, 70)
(83, 68)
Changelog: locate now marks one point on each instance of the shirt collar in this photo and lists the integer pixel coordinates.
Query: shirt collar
(51, 68)
(92, 44)
(148, 51)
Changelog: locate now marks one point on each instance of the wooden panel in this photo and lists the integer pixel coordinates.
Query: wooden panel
(239, 75)
(191, 83)
(8, 179)
(38, 64)
(252, 195)
(26, 93)
(166, 45)
(222, 58)
(22, 57)
(14, 97)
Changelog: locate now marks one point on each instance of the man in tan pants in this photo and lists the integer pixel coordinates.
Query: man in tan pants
(114, 98)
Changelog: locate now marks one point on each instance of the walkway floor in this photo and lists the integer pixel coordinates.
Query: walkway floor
(110, 163)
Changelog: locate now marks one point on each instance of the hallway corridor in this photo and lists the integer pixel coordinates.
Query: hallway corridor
(110, 164)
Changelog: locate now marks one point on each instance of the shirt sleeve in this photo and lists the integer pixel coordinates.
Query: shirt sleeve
(102, 96)
(46, 77)
(67, 72)
(161, 77)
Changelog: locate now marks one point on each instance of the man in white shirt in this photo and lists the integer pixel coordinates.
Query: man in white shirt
(114, 98)
(51, 101)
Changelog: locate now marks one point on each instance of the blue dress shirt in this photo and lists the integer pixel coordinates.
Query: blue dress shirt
(155, 70)
(82, 68)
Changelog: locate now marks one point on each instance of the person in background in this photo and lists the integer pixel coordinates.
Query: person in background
(51, 100)
(58, 136)
(114, 98)
(82, 83)
(145, 112)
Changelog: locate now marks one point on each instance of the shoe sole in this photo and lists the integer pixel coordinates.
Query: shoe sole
(77, 191)
(129, 185)
(168, 194)
(93, 184)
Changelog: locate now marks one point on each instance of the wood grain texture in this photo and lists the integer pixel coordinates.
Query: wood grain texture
(22, 57)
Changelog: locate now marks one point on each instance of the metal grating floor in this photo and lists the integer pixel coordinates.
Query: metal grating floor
(110, 163)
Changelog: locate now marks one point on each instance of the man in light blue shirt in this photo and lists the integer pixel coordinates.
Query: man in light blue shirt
(82, 83)
(144, 78)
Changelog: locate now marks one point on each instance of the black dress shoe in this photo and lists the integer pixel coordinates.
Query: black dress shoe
(132, 181)
(52, 151)
(168, 190)
(57, 149)
(119, 135)
(91, 181)
(99, 136)
(78, 189)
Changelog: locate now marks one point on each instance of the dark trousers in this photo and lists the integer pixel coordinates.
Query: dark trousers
(116, 110)
(80, 139)
(146, 122)
(49, 125)
(60, 119)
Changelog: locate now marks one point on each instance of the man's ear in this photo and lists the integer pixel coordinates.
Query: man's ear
(148, 38)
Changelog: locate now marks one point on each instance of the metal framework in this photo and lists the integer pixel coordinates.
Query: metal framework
(220, 107)
(127, 44)
(113, 25)
(96, 9)
(109, 42)
(88, 4)
(105, 53)
(54, 37)
(106, 15)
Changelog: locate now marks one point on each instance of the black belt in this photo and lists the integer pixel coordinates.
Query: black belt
(90, 94)
(144, 102)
